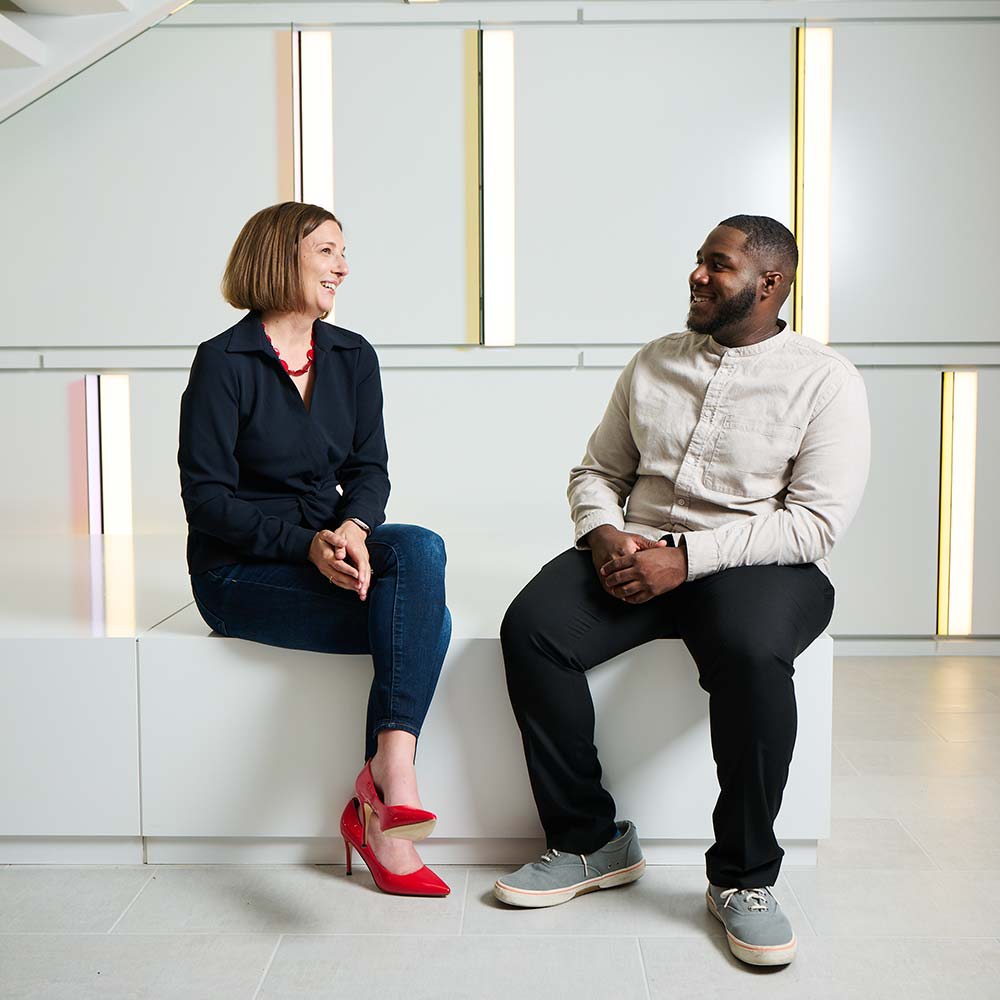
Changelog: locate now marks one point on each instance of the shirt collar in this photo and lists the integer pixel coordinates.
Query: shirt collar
(248, 336)
(772, 342)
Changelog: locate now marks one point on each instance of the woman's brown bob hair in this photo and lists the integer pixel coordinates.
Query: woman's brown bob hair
(262, 273)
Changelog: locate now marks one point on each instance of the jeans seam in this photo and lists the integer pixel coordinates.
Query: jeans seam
(394, 644)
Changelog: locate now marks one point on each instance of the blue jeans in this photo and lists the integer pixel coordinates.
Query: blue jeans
(404, 622)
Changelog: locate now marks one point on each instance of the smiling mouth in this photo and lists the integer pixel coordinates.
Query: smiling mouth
(329, 286)
(698, 299)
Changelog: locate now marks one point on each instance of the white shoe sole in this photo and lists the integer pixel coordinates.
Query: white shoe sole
(553, 897)
(754, 954)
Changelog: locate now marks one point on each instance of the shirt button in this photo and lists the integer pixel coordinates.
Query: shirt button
(681, 502)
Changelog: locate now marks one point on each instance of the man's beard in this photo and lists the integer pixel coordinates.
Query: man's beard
(727, 311)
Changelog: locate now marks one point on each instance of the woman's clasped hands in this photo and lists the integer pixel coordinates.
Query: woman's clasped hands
(342, 557)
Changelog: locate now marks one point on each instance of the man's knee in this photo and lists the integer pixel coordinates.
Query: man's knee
(745, 661)
(520, 623)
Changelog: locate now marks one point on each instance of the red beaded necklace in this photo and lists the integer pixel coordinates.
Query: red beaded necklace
(284, 364)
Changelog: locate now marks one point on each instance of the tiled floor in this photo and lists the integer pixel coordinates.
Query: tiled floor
(903, 902)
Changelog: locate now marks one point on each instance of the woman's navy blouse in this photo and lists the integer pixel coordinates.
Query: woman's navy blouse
(260, 472)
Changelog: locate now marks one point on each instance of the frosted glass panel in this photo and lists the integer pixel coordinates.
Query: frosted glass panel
(916, 156)
(632, 143)
(400, 183)
(126, 187)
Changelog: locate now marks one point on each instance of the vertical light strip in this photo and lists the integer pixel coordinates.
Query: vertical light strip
(316, 104)
(116, 454)
(798, 168)
(472, 53)
(944, 503)
(285, 72)
(297, 115)
(95, 514)
(97, 616)
(119, 585)
(498, 188)
(959, 405)
(963, 504)
(814, 120)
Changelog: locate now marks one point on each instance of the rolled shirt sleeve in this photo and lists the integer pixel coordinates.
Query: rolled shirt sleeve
(601, 483)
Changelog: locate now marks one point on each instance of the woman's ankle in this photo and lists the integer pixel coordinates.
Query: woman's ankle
(393, 770)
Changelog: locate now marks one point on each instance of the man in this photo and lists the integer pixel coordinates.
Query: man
(741, 451)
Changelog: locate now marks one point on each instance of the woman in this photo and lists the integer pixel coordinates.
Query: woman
(284, 481)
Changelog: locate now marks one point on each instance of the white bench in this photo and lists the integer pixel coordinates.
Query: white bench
(248, 752)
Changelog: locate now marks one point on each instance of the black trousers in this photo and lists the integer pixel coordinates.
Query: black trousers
(743, 627)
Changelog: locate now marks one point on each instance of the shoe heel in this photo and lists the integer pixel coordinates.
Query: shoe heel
(350, 857)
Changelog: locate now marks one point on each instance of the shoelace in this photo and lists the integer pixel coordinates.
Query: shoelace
(756, 899)
(552, 853)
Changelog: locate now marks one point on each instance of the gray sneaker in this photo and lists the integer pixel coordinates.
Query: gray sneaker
(558, 877)
(757, 929)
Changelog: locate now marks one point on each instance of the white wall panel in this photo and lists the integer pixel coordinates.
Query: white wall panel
(885, 569)
(476, 452)
(44, 453)
(916, 154)
(400, 183)
(632, 143)
(488, 453)
(986, 595)
(126, 187)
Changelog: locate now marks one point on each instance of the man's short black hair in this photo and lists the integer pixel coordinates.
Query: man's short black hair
(769, 241)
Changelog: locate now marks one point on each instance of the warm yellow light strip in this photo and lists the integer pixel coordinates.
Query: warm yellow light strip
(963, 504)
(959, 406)
(944, 504)
(119, 585)
(316, 109)
(116, 454)
(471, 57)
(798, 167)
(812, 183)
(498, 188)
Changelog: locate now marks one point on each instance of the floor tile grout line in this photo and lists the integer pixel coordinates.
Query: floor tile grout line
(121, 915)
(940, 736)
(562, 935)
(850, 763)
(465, 904)
(916, 840)
(798, 903)
(642, 967)
(267, 968)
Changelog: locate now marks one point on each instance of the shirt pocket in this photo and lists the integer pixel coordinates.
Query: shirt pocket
(751, 458)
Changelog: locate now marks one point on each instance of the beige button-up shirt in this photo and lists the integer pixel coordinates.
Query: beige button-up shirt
(753, 455)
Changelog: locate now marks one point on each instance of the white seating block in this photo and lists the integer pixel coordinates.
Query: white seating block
(116, 693)
(242, 740)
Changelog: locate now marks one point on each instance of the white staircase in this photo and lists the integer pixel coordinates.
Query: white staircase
(45, 42)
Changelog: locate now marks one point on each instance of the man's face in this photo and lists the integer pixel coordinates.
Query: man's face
(724, 284)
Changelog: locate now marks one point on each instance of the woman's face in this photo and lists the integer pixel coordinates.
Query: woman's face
(322, 267)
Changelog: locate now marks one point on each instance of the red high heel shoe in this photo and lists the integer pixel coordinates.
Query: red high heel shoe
(405, 822)
(422, 882)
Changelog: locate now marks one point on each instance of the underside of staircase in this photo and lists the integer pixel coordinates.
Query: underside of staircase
(45, 42)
